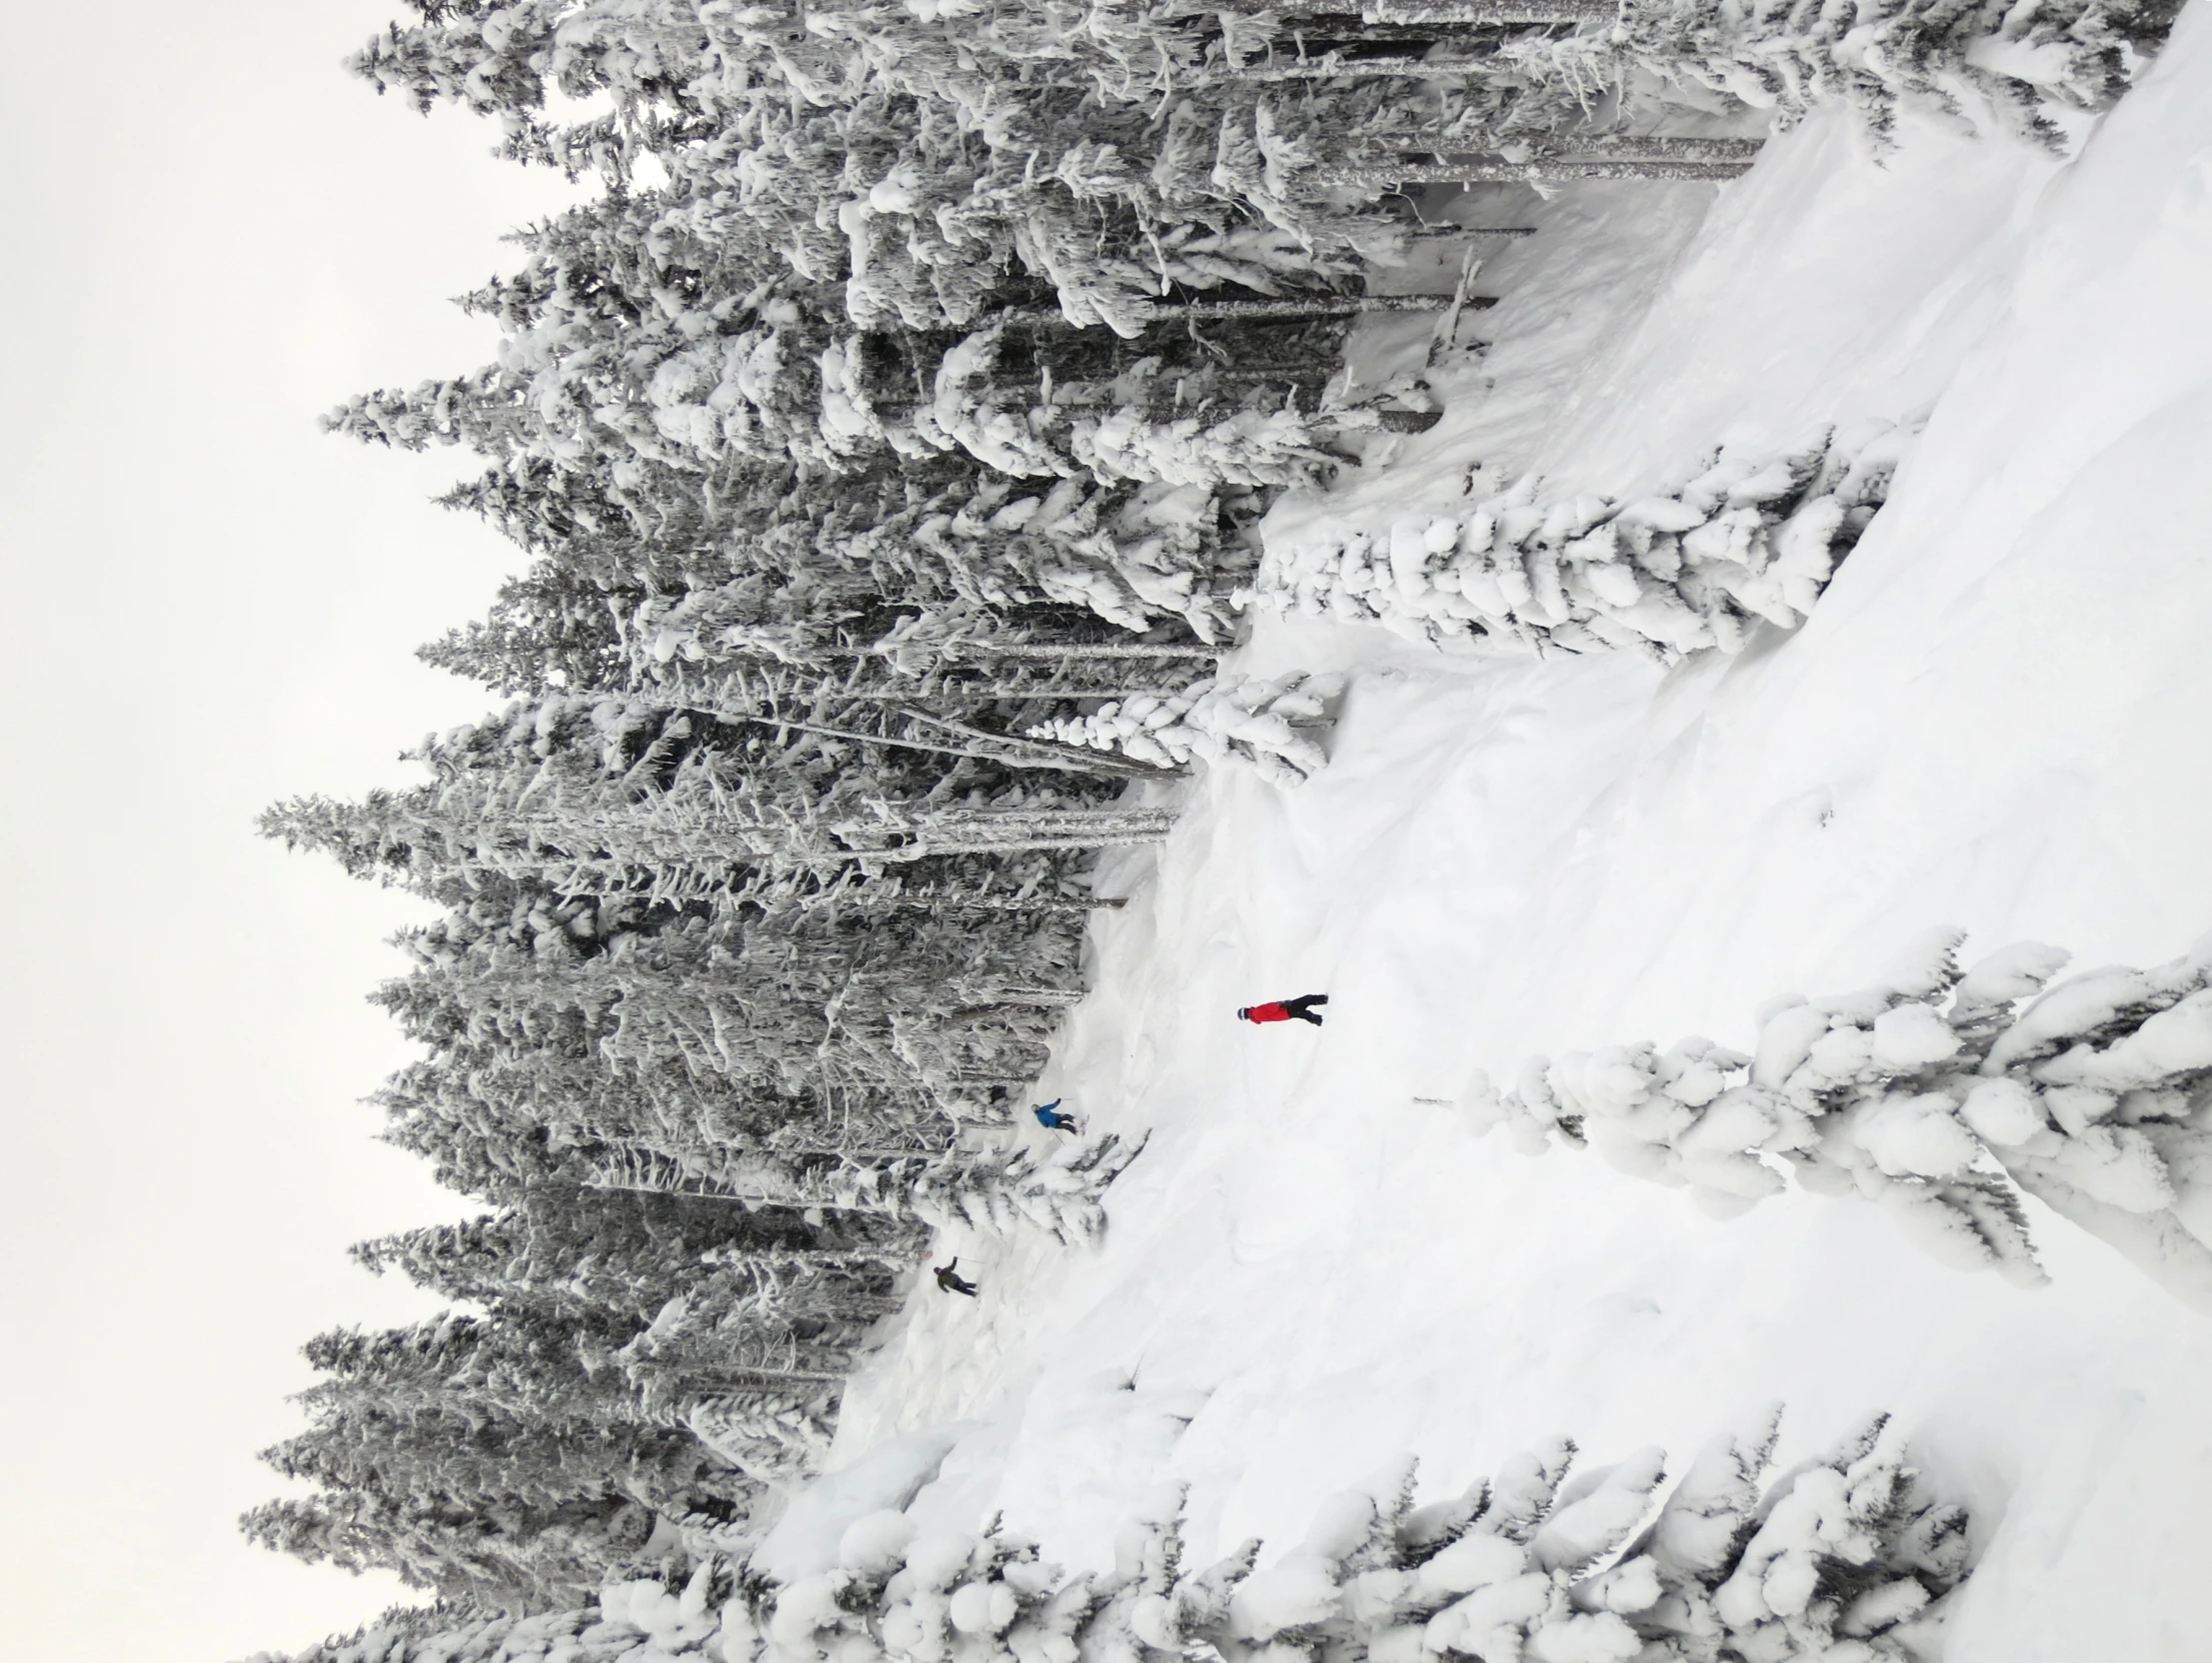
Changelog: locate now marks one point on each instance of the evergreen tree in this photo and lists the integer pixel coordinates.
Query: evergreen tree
(1917, 1093)
(1845, 1556)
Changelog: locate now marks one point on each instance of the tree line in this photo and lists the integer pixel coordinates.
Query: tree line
(1848, 1555)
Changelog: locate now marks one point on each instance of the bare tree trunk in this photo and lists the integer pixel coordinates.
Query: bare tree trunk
(1618, 147)
(1019, 753)
(657, 1178)
(1320, 305)
(1042, 998)
(1014, 689)
(1083, 650)
(1416, 19)
(1348, 26)
(763, 1378)
(1395, 421)
(1072, 756)
(1020, 845)
(995, 904)
(1333, 66)
(1385, 176)
(825, 1258)
(1064, 394)
(891, 1154)
(732, 699)
(1045, 817)
(1488, 11)
(985, 648)
(1661, 147)
(1265, 374)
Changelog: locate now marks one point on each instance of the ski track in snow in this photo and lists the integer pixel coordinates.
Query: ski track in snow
(1995, 718)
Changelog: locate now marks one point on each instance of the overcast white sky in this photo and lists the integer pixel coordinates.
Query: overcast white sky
(211, 235)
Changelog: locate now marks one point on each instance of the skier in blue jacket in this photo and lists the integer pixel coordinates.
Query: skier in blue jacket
(1049, 1118)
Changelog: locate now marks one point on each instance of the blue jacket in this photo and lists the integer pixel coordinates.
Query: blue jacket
(1050, 1121)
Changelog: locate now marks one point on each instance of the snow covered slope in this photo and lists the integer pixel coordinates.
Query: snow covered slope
(1996, 719)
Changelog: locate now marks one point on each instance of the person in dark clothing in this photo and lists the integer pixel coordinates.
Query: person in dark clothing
(952, 1281)
(1284, 1011)
(1049, 1118)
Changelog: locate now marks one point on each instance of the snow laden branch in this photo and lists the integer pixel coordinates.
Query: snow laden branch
(1132, 433)
(1217, 718)
(1061, 1192)
(1533, 1565)
(2013, 66)
(1748, 537)
(1938, 1094)
(1846, 1558)
(994, 1191)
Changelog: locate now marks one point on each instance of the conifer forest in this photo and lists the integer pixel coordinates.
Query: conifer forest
(976, 473)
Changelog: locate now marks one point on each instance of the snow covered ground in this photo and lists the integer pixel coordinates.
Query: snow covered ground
(1996, 719)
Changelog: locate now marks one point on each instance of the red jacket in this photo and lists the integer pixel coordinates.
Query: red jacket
(1271, 1013)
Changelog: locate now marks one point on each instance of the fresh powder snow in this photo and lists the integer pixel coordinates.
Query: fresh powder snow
(1992, 720)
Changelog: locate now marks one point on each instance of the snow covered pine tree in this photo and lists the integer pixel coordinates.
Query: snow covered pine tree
(1932, 1092)
(1842, 1559)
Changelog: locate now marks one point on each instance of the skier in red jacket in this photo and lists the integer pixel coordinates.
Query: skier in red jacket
(1283, 1011)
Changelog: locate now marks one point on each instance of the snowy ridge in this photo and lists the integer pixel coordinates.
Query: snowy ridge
(1749, 534)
